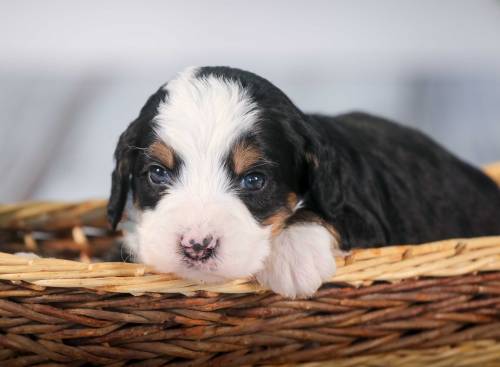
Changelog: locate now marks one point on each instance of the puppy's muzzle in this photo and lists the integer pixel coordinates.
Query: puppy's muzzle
(198, 248)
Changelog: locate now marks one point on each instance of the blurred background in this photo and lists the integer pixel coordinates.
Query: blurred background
(74, 74)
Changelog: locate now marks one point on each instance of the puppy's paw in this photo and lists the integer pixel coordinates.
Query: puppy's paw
(301, 259)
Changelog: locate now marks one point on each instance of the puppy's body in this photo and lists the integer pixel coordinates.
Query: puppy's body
(390, 184)
(230, 179)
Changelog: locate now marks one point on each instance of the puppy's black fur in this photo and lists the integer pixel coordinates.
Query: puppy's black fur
(376, 182)
(132, 142)
(389, 184)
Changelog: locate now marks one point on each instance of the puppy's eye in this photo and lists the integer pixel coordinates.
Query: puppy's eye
(253, 181)
(158, 175)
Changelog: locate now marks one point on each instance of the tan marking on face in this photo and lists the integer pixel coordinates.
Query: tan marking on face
(292, 200)
(277, 221)
(244, 157)
(163, 153)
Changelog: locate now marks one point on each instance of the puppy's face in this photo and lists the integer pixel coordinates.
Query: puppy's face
(214, 174)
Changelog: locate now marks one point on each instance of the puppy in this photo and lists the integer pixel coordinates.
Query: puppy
(224, 177)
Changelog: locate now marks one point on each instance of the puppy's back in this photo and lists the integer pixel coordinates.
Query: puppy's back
(417, 189)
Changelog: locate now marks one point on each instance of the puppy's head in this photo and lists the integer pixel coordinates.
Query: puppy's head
(211, 170)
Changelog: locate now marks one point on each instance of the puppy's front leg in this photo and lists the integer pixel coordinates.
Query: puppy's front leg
(301, 259)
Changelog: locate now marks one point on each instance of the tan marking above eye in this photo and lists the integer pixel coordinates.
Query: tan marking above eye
(163, 153)
(244, 157)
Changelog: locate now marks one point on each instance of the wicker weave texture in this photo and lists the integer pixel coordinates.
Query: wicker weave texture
(67, 324)
(435, 304)
(469, 354)
(362, 267)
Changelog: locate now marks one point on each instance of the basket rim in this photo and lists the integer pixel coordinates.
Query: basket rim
(445, 258)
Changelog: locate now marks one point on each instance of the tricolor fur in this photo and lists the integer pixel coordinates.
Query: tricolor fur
(224, 177)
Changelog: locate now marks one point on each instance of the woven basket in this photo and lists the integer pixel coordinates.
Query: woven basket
(435, 304)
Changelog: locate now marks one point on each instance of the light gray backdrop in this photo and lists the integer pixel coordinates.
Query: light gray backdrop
(74, 73)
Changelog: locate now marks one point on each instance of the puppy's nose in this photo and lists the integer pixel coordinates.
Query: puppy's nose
(197, 245)
(198, 248)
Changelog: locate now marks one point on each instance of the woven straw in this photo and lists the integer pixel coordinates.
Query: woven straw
(436, 304)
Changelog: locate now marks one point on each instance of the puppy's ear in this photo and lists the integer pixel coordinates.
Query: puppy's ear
(121, 176)
(323, 181)
(337, 191)
(126, 153)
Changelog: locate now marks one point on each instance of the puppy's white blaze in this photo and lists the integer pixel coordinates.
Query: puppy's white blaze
(201, 119)
(301, 260)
